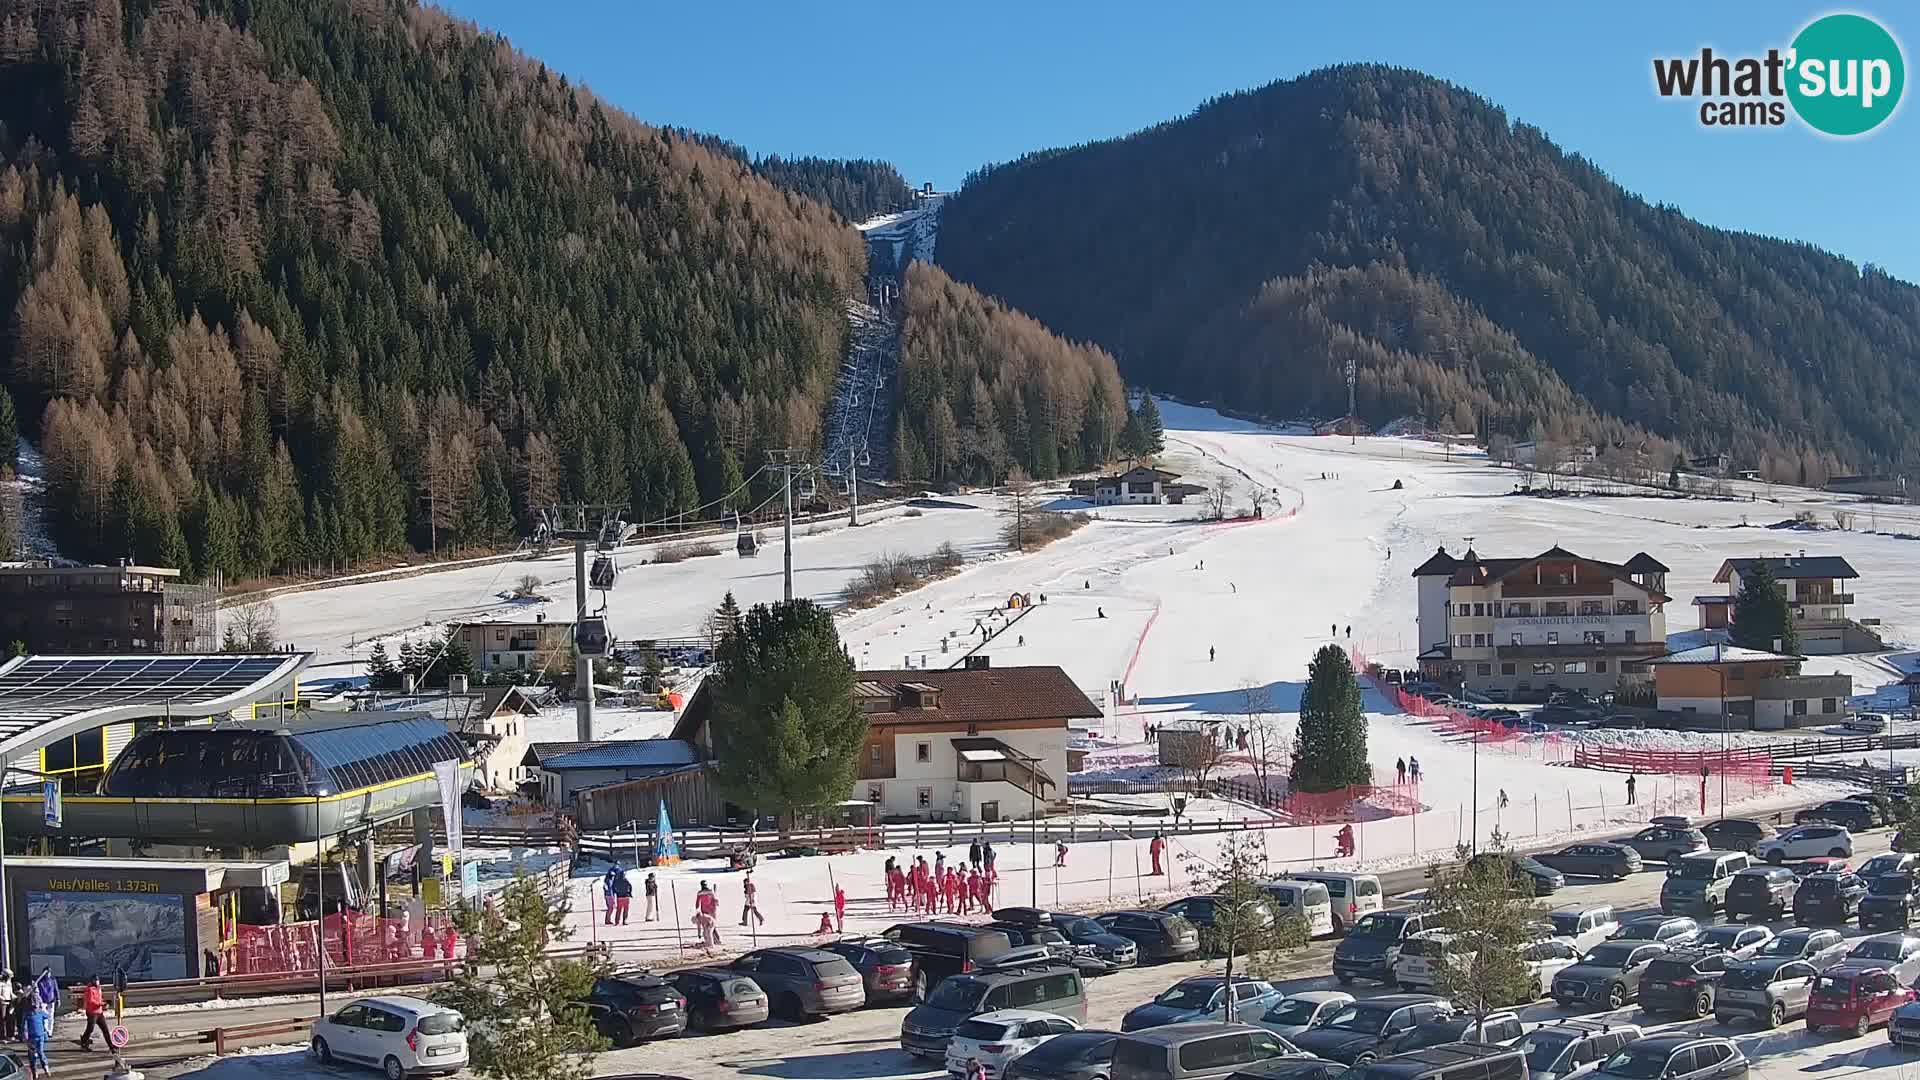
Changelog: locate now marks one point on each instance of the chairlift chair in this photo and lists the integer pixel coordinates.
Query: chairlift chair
(807, 488)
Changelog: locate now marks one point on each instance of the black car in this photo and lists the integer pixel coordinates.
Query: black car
(1890, 902)
(1735, 834)
(943, 949)
(717, 998)
(1683, 982)
(1058, 948)
(1593, 859)
(886, 967)
(1523, 868)
(1893, 862)
(1881, 805)
(1827, 899)
(1855, 816)
(631, 1008)
(1295, 1068)
(1370, 948)
(1763, 893)
(1111, 949)
(1077, 1055)
(1161, 935)
(1204, 913)
(1497, 1027)
(1354, 1035)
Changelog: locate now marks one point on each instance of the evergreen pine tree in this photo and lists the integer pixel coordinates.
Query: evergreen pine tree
(1673, 477)
(9, 433)
(1330, 751)
(381, 674)
(725, 620)
(1762, 618)
(409, 658)
(1153, 433)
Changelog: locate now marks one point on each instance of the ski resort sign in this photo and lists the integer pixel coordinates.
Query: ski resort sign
(1842, 75)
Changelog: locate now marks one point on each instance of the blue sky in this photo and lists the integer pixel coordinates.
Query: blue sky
(939, 89)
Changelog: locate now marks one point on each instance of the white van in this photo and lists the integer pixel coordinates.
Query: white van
(1354, 896)
(1302, 899)
(1868, 723)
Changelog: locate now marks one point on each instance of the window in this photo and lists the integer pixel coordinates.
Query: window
(1574, 667)
(1594, 637)
(1480, 641)
(1543, 669)
(1556, 607)
(1599, 667)
(1553, 637)
(1519, 611)
(1626, 607)
(1506, 669)
(1828, 705)
(876, 794)
(1487, 669)
(874, 753)
(1462, 641)
(1479, 610)
(924, 798)
(1800, 706)
(1591, 607)
(499, 635)
(1629, 636)
(1515, 636)
(923, 752)
(1464, 609)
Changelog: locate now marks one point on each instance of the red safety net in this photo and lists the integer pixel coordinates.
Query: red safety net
(352, 940)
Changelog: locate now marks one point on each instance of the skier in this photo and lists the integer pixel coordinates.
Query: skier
(749, 908)
(1349, 633)
(1413, 768)
(1059, 853)
(840, 908)
(1346, 841)
(1333, 629)
(607, 895)
(1154, 847)
(1629, 789)
(1101, 612)
(973, 853)
(622, 898)
(1503, 799)
(1209, 654)
(1400, 771)
(1232, 586)
(653, 899)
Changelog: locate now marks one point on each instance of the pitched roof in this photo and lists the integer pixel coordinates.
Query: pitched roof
(1791, 566)
(617, 754)
(1721, 654)
(1473, 570)
(1439, 564)
(1643, 563)
(969, 695)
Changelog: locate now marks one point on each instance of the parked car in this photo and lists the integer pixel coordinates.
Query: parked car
(632, 1008)
(1880, 805)
(1736, 834)
(1893, 862)
(1761, 893)
(1204, 911)
(1673, 821)
(1595, 859)
(1058, 949)
(1855, 997)
(1310, 1008)
(1160, 935)
(994, 1039)
(1854, 816)
(1421, 958)
(1698, 882)
(717, 999)
(1890, 902)
(1904, 1029)
(1530, 872)
(1373, 945)
(400, 1036)
(1827, 899)
(929, 1026)
(1821, 948)
(1676, 1056)
(1354, 1035)
(1203, 997)
(1766, 989)
(1672, 931)
(804, 982)
(1573, 1047)
(1111, 948)
(1199, 1051)
(1353, 896)
(1300, 1068)
(942, 950)
(1309, 901)
(1683, 982)
(1737, 941)
(1897, 952)
(1078, 1055)
(1666, 843)
(1494, 1029)
(885, 966)
(1546, 958)
(1585, 926)
(1609, 974)
(1623, 721)
(1805, 842)
(1822, 864)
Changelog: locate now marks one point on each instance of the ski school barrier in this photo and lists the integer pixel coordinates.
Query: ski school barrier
(1494, 735)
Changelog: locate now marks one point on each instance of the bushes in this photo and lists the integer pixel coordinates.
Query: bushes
(1038, 528)
(684, 550)
(890, 575)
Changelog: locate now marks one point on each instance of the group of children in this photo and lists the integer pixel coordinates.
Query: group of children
(616, 890)
(953, 889)
(26, 1015)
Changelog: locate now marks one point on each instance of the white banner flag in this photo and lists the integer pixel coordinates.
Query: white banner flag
(448, 773)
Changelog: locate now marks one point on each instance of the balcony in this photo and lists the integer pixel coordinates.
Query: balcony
(1789, 687)
(1579, 650)
(1823, 599)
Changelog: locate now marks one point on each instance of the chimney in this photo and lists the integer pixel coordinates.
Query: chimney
(456, 685)
(979, 662)
(540, 617)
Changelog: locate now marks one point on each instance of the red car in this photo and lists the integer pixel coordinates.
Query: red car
(1855, 997)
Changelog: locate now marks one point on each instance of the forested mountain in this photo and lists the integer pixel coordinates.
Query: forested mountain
(289, 283)
(1476, 273)
(982, 387)
(854, 188)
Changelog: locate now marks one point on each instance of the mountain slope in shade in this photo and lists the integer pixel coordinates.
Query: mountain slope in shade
(1172, 246)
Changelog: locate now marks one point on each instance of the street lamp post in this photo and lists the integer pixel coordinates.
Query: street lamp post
(320, 922)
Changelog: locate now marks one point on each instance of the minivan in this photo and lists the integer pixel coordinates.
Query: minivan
(1867, 723)
(1307, 900)
(1448, 1061)
(401, 1036)
(1197, 1051)
(1584, 926)
(1354, 896)
(941, 950)
(926, 1030)
(1698, 882)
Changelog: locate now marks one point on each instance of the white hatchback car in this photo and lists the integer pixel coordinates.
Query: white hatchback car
(1810, 841)
(996, 1038)
(400, 1036)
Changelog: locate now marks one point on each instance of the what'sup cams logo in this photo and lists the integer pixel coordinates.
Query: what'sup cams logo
(1842, 76)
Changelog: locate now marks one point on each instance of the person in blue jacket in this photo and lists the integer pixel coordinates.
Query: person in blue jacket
(36, 1026)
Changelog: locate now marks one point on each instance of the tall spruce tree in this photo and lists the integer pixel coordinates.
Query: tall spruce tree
(1153, 433)
(9, 433)
(786, 731)
(1330, 751)
(381, 674)
(1762, 618)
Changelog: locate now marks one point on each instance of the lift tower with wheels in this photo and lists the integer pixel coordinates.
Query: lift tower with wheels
(601, 525)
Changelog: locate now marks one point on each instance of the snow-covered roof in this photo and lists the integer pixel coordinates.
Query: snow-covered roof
(621, 754)
(1791, 566)
(1705, 601)
(1721, 654)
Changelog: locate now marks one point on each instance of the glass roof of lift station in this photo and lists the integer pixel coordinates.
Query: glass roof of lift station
(47, 698)
(313, 756)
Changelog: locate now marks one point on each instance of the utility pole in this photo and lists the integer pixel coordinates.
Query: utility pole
(853, 485)
(786, 463)
(1352, 436)
(581, 523)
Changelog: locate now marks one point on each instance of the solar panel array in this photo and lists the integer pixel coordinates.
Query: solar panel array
(42, 689)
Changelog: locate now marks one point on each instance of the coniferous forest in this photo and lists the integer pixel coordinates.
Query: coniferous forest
(288, 284)
(1482, 279)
